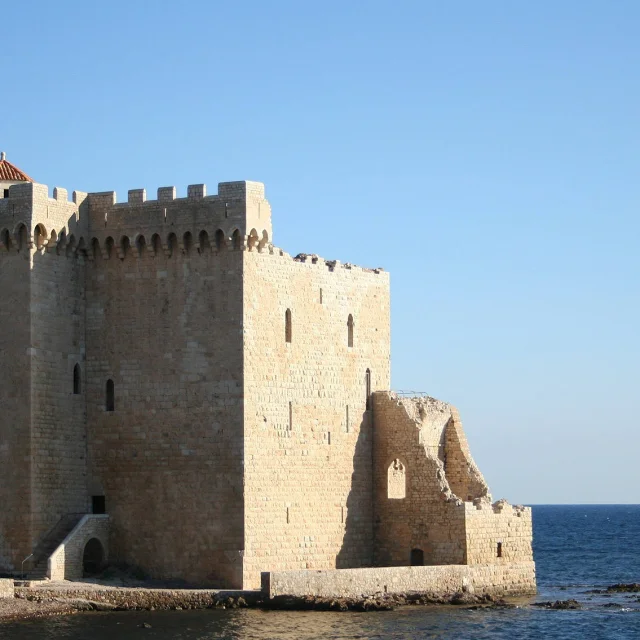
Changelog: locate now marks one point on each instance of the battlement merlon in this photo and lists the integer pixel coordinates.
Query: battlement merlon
(240, 206)
(29, 203)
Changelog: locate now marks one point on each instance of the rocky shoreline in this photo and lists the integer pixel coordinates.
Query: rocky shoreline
(68, 598)
(46, 601)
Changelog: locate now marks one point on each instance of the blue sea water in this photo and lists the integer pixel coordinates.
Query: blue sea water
(577, 549)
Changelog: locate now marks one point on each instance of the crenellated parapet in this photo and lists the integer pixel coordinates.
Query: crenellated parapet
(237, 217)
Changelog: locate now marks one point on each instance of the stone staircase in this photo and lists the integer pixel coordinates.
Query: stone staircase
(48, 544)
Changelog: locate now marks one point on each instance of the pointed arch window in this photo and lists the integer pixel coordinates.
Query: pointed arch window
(350, 331)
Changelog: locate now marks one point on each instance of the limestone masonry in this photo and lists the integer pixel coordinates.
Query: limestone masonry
(182, 393)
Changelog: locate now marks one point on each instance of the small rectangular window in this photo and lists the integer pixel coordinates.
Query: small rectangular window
(98, 504)
(6, 193)
(499, 549)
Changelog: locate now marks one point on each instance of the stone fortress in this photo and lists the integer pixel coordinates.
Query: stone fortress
(181, 395)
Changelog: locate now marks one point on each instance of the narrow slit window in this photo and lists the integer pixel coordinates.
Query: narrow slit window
(291, 416)
(77, 384)
(368, 389)
(499, 550)
(347, 419)
(321, 295)
(110, 404)
(287, 326)
(350, 331)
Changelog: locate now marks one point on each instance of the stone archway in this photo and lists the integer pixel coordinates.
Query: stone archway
(93, 557)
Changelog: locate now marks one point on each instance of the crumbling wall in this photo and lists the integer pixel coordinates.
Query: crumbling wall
(446, 515)
(429, 520)
(463, 475)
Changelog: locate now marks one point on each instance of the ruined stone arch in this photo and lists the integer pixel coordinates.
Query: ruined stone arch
(264, 241)
(396, 480)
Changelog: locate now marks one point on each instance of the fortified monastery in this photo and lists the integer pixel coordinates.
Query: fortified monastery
(181, 396)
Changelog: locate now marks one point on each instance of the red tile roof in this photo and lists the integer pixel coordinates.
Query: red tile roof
(10, 172)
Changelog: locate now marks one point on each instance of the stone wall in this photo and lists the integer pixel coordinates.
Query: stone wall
(66, 562)
(7, 590)
(430, 518)
(445, 515)
(166, 329)
(512, 579)
(308, 433)
(42, 315)
(499, 533)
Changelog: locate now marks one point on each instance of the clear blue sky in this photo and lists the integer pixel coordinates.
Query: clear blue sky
(486, 154)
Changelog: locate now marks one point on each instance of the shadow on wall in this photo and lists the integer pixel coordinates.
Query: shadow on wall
(357, 544)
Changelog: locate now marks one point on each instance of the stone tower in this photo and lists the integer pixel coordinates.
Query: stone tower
(220, 407)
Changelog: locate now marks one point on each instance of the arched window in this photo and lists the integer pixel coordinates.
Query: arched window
(172, 243)
(71, 246)
(5, 236)
(287, 326)
(187, 242)
(23, 237)
(109, 244)
(396, 481)
(417, 558)
(367, 382)
(39, 236)
(156, 243)
(125, 244)
(203, 241)
(95, 248)
(141, 245)
(236, 240)
(110, 404)
(350, 331)
(77, 384)
(220, 243)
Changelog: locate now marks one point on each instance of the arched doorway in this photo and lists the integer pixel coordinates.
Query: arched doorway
(93, 557)
(417, 558)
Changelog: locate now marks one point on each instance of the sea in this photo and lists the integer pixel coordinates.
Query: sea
(577, 549)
